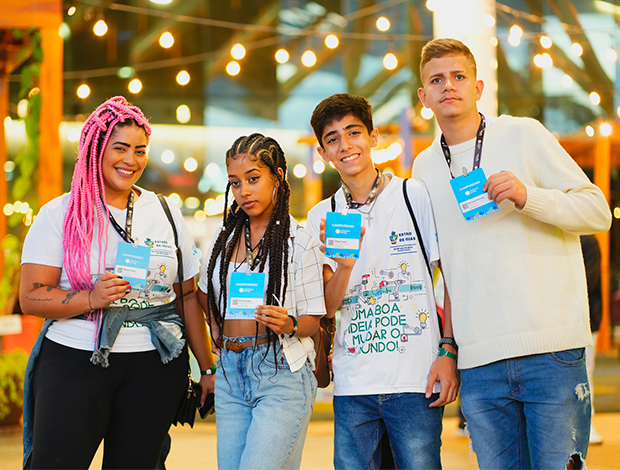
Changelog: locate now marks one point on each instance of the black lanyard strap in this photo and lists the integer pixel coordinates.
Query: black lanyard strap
(249, 251)
(126, 233)
(477, 150)
(371, 196)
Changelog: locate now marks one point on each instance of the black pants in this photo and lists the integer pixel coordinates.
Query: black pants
(130, 405)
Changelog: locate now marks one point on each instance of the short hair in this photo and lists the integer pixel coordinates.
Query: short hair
(336, 107)
(442, 47)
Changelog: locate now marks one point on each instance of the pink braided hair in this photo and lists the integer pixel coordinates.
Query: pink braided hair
(88, 193)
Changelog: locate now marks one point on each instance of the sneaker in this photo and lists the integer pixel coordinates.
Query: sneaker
(595, 437)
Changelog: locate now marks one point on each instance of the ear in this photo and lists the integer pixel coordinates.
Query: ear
(479, 88)
(374, 137)
(281, 173)
(422, 96)
(322, 153)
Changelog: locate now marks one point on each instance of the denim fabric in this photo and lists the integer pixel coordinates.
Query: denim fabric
(414, 430)
(262, 409)
(165, 343)
(528, 412)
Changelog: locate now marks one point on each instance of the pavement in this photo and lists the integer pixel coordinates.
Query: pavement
(196, 448)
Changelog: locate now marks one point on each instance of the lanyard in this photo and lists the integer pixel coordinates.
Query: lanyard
(477, 150)
(249, 251)
(371, 196)
(125, 234)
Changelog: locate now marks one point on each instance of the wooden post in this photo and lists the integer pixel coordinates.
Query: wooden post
(602, 178)
(4, 106)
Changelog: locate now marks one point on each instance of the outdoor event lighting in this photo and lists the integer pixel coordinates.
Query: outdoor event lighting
(166, 40)
(611, 54)
(576, 49)
(183, 77)
(237, 52)
(74, 134)
(544, 60)
(618, 111)
(233, 68)
(22, 108)
(514, 41)
(100, 28)
(595, 98)
(190, 165)
(427, 113)
(605, 129)
(300, 170)
(71, 11)
(431, 5)
(516, 31)
(590, 131)
(162, 2)
(383, 24)
(83, 91)
(567, 81)
(546, 42)
(318, 166)
(489, 20)
(200, 216)
(192, 202)
(617, 212)
(135, 86)
(167, 156)
(390, 62)
(184, 114)
(331, 41)
(282, 56)
(308, 58)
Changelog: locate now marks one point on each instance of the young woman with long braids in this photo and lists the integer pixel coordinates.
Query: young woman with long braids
(111, 361)
(265, 390)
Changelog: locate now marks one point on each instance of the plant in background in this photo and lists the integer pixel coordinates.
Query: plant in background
(23, 188)
(12, 369)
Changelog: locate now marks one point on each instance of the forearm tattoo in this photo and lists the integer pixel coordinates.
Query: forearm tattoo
(70, 295)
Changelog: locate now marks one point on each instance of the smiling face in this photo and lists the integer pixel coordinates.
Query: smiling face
(347, 145)
(450, 88)
(124, 160)
(253, 185)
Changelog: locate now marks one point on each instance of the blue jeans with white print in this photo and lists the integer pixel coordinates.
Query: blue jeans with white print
(262, 409)
(528, 412)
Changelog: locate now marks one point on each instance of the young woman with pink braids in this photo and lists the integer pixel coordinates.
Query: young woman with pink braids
(111, 362)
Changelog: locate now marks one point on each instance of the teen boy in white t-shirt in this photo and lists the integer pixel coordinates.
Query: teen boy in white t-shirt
(385, 362)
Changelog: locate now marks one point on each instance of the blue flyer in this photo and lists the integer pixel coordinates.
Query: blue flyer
(247, 291)
(132, 264)
(342, 235)
(473, 202)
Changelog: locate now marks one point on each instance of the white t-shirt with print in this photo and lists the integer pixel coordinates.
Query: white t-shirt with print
(151, 228)
(388, 335)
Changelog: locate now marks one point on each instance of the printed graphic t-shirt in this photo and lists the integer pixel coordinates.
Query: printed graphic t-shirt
(389, 331)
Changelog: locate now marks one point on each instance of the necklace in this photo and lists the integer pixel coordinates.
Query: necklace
(373, 202)
(371, 195)
(249, 250)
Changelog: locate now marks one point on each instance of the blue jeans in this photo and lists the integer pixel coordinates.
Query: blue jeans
(528, 412)
(262, 409)
(414, 430)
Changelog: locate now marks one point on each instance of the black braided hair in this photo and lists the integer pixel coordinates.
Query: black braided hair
(275, 251)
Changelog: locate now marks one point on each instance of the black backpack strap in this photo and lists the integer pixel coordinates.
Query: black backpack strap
(333, 199)
(417, 228)
(179, 253)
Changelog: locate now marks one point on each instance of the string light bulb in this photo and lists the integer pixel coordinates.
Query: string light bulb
(595, 98)
(576, 49)
(100, 28)
(544, 60)
(611, 54)
(71, 11)
(488, 20)
(390, 61)
(300, 170)
(567, 81)
(546, 42)
(605, 129)
(308, 58)
(166, 40)
(135, 86)
(427, 113)
(516, 31)
(589, 131)
(332, 41)
(431, 5)
(237, 51)
(184, 114)
(83, 91)
(183, 77)
(282, 56)
(233, 68)
(383, 24)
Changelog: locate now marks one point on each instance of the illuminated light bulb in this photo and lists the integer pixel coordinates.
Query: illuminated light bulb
(7, 121)
(590, 131)
(17, 205)
(432, 5)
(184, 114)
(427, 113)
(22, 108)
(282, 56)
(318, 167)
(200, 216)
(494, 64)
(308, 58)
(100, 28)
(162, 2)
(23, 208)
(74, 135)
(213, 170)
(190, 164)
(71, 11)
(83, 91)
(423, 317)
(300, 170)
(605, 129)
(166, 40)
(567, 81)
(174, 197)
(135, 86)
(516, 31)
(383, 24)
(125, 72)
(331, 41)
(233, 68)
(595, 98)
(390, 62)
(237, 52)
(183, 77)
(64, 31)
(488, 20)
(543, 61)
(8, 210)
(546, 42)
(576, 49)
(611, 54)
(617, 212)
(514, 41)
(167, 156)
(9, 166)
(192, 202)
(493, 41)
(618, 111)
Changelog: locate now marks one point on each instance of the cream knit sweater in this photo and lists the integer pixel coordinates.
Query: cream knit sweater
(516, 278)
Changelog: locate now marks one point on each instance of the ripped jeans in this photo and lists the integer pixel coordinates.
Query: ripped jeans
(530, 412)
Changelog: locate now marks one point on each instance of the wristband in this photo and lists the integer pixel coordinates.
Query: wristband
(210, 371)
(450, 341)
(295, 326)
(90, 306)
(443, 352)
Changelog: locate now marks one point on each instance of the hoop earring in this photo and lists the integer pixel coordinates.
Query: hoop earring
(273, 196)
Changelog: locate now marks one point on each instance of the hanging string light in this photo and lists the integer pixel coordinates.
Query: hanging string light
(100, 28)
(332, 41)
(390, 61)
(567, 81)
(183, 77)
(233, 68)
(546, 42)
(83, 91)
(611, 54)
(488, 20)
(576, 49)
(71, 11)
(135, 86)
(595, 98)
(427, 113)
(282, 56)
(308, 58)
(544, 60)
(237, 51)
(605, 129)
(516, 33)
(166, 40)
(383, 24)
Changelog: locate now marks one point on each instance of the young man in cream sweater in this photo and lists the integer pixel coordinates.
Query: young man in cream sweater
(512, 263)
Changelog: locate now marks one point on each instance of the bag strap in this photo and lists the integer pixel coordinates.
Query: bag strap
(179, 253)
(333, 199)
(417, 228)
